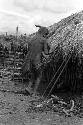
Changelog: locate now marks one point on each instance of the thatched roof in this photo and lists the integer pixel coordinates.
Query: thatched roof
(68, 33)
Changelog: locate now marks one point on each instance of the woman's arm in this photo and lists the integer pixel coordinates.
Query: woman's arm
(46, 48)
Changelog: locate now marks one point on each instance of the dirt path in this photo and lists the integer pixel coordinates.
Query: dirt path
(15, 110)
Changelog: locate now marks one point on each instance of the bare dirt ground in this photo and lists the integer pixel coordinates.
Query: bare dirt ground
(18, 109)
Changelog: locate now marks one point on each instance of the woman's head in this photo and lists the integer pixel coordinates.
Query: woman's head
(43, 30)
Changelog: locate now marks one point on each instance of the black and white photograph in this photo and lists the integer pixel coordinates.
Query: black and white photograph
(41, 62)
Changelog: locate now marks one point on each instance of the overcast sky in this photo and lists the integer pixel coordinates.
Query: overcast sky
(27, 13)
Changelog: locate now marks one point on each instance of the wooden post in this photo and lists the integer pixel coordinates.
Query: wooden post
(15, 51)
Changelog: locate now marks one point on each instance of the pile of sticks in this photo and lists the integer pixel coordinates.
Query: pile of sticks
(67, 108)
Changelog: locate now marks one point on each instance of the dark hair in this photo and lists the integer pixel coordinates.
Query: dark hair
(43, 31)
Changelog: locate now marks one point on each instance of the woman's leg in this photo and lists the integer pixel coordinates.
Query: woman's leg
(37, 81)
